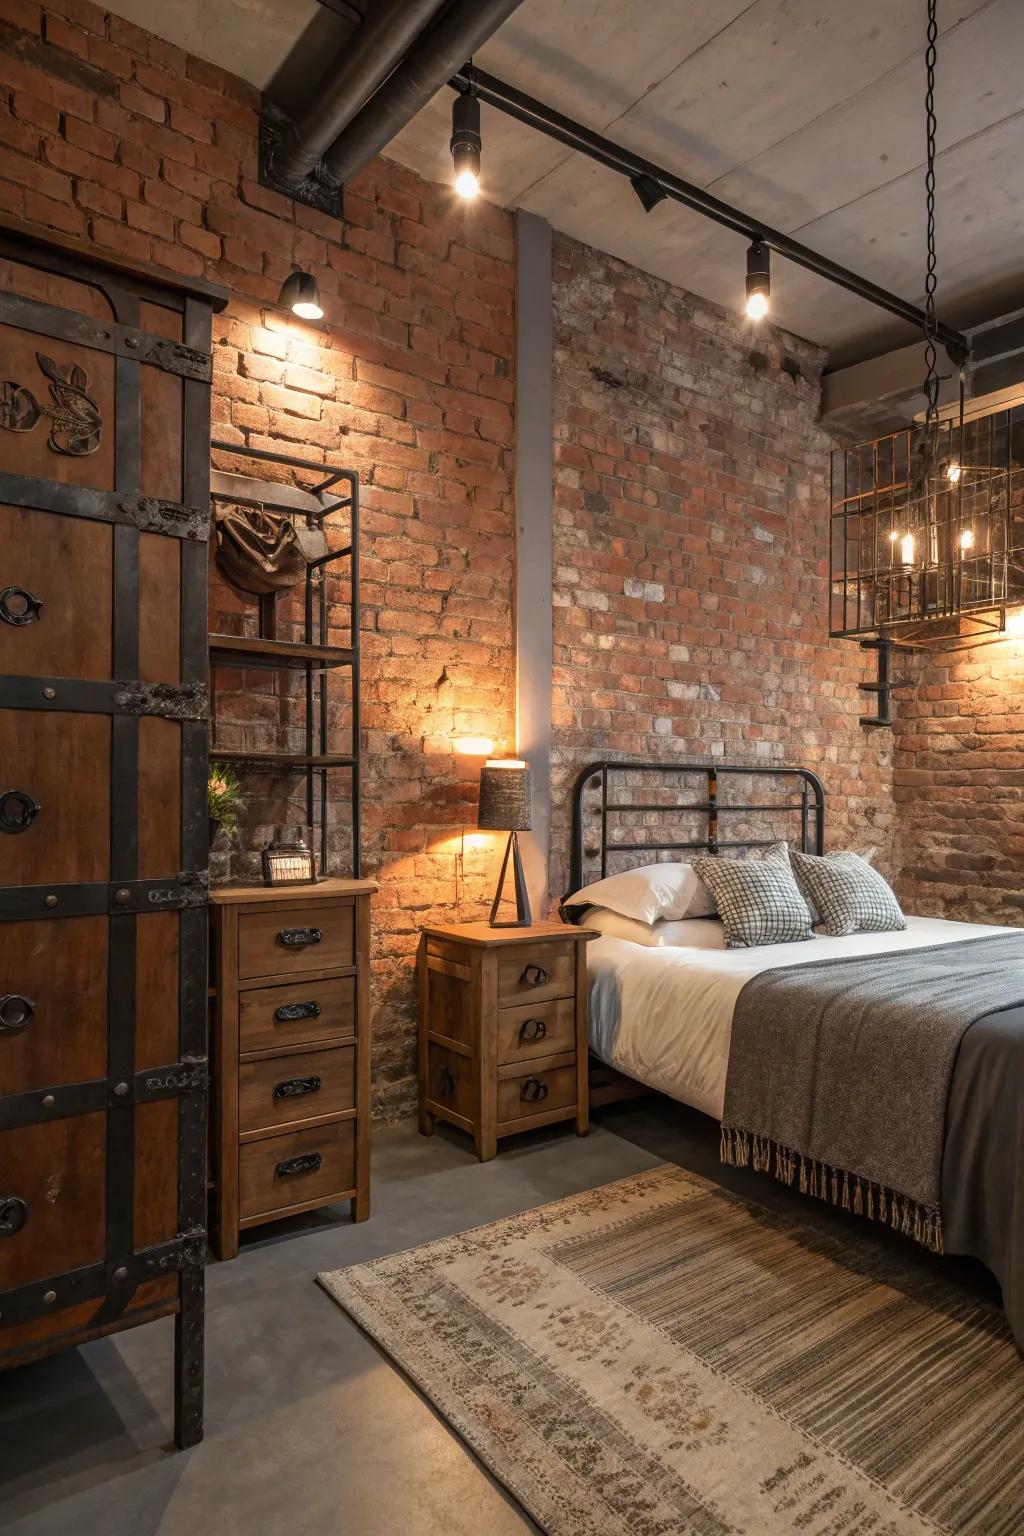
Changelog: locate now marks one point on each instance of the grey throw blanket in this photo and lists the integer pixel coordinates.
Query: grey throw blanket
(839, 1072)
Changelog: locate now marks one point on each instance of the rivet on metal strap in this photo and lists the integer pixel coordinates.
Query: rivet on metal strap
(123, 896)
(49, 1297)
(50, 901)
(120, 1089)
(120, 1275)
(49, 693)
(48, 1101)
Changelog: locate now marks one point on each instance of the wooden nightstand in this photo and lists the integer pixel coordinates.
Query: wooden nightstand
(503, 1029)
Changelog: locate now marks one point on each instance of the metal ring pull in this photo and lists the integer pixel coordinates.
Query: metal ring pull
(298, 938)
(13, 1214)
(533, 1029)
(533, 1091)
(309, 1162)
(17, 811)
(534, 976)
(18, 606)
(16, 1013)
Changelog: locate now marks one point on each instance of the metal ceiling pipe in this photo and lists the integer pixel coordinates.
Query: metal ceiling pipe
(429, 65)
(367, 59)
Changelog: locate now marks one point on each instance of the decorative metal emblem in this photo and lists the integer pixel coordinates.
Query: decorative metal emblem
(18, 606)
(170, 702)
(151, 515)
(191, 889)
(74, 415)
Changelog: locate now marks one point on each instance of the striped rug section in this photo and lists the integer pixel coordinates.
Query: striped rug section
(659, 1357)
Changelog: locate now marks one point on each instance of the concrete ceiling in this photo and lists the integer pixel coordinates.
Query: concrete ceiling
(807, 113)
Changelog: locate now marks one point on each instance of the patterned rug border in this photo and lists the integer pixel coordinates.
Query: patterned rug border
(340, 1286)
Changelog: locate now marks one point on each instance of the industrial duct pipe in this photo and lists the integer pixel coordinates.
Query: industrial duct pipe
(370, 56)
(430, 63)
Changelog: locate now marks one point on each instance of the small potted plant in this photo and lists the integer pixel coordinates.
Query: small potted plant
(225, 802)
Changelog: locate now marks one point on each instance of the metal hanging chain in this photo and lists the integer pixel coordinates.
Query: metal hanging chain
(931, 383)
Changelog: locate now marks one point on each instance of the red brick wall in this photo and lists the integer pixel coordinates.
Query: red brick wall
(959, 740)
(691, 549)
(111, 134)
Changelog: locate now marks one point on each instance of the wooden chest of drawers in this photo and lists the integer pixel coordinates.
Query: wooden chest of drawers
(503, 1029)
(292, 1053)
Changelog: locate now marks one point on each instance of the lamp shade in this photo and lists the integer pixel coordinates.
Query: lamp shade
(504, 796)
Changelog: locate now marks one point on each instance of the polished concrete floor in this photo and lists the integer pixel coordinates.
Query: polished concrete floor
(310, 1432)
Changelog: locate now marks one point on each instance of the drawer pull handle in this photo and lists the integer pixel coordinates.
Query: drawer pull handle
(298, 938)
(13, 1215)
(446, 1083)
(17, 811)
(533, 1029)
(535, 976)
(533, 1090)
(18, 606)
(309, 1162)
(288, 1012)
(16, 1013)
(295, 1087)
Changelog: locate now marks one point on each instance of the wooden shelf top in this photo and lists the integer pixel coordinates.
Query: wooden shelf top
(234, 895)
(484, 934)
(239, 650)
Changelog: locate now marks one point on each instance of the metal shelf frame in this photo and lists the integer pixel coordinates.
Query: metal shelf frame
(313, 655)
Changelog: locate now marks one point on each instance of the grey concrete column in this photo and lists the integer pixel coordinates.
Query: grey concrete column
(534, 490)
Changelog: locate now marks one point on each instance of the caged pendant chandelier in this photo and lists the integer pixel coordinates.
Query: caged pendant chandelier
(927, 531)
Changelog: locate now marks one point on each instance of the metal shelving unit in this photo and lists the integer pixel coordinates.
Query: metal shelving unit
(312, 655)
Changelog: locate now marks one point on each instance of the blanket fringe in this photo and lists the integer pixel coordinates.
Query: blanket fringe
(837, 1186)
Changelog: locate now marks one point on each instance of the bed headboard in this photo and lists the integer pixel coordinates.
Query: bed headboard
(624, 809)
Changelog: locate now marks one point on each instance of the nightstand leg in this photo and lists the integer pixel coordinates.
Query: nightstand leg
(582, 1123)
(426, 1123)
(360, 1206)
(486, 1145)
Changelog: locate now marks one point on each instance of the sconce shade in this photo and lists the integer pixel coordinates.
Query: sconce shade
(505, 796)
(300, 293)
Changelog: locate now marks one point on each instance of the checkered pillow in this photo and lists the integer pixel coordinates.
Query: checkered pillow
(758, 899)
(850, 896)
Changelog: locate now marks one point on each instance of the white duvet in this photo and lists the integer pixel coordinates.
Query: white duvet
(664, 1015)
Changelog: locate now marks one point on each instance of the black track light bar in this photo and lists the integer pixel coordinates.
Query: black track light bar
(544, 119)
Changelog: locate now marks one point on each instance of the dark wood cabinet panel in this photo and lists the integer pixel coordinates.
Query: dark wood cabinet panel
(62, 763)
(53, 1018)
(40, 553)
(56, 1172)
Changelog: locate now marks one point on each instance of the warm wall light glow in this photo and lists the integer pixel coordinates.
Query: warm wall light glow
(757, 306)
(474, 746)
(967, 539)
(467, 185)
(907, 549)
(1015, 622)
(504, 762)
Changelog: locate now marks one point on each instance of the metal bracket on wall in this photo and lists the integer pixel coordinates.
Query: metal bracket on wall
(885, 683)
(310, 190)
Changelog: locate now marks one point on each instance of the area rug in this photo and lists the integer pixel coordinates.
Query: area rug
(659, 1358)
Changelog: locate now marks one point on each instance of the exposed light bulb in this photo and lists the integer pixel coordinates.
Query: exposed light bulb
(967, 539)
(953, 472)
(300, 293)
(757, 306)
(894, 535)
(467, 185)
(907, 549)
(466, 145)
(759, 279)
(307, 311)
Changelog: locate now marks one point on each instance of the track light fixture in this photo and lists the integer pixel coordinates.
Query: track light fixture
(648, 191)
(759, 280)
(300, 293)
(466, 144)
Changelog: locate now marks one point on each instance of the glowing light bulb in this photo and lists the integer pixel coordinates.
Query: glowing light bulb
(907, 549)
(757, 305)
(467, 185)
(308, 311)
(967, 539)
(953, 472)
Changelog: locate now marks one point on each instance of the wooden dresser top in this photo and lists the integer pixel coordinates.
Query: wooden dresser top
(230, 895)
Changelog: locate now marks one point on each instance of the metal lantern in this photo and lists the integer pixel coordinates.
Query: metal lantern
(288, 864)
(927, 544)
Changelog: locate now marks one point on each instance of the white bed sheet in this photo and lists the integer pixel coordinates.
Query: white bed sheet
(664, 1016)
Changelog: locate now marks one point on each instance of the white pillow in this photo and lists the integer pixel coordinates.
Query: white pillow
(690, 933)
(654, 891)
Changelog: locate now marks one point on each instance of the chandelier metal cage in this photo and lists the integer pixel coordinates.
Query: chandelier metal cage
(927, 531)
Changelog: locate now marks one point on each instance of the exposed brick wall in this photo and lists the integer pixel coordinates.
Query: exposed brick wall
(691, 549)
(959, 741)
(111, 134)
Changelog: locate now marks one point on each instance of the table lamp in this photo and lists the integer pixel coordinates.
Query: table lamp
(505, 807)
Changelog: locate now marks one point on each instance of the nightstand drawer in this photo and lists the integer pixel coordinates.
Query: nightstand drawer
(281, 1089)
(538, 1029)
(269, 1017)
(535, 1090)
(534, 973)
(299, 1168)
(314, 937)
(450, 1081)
